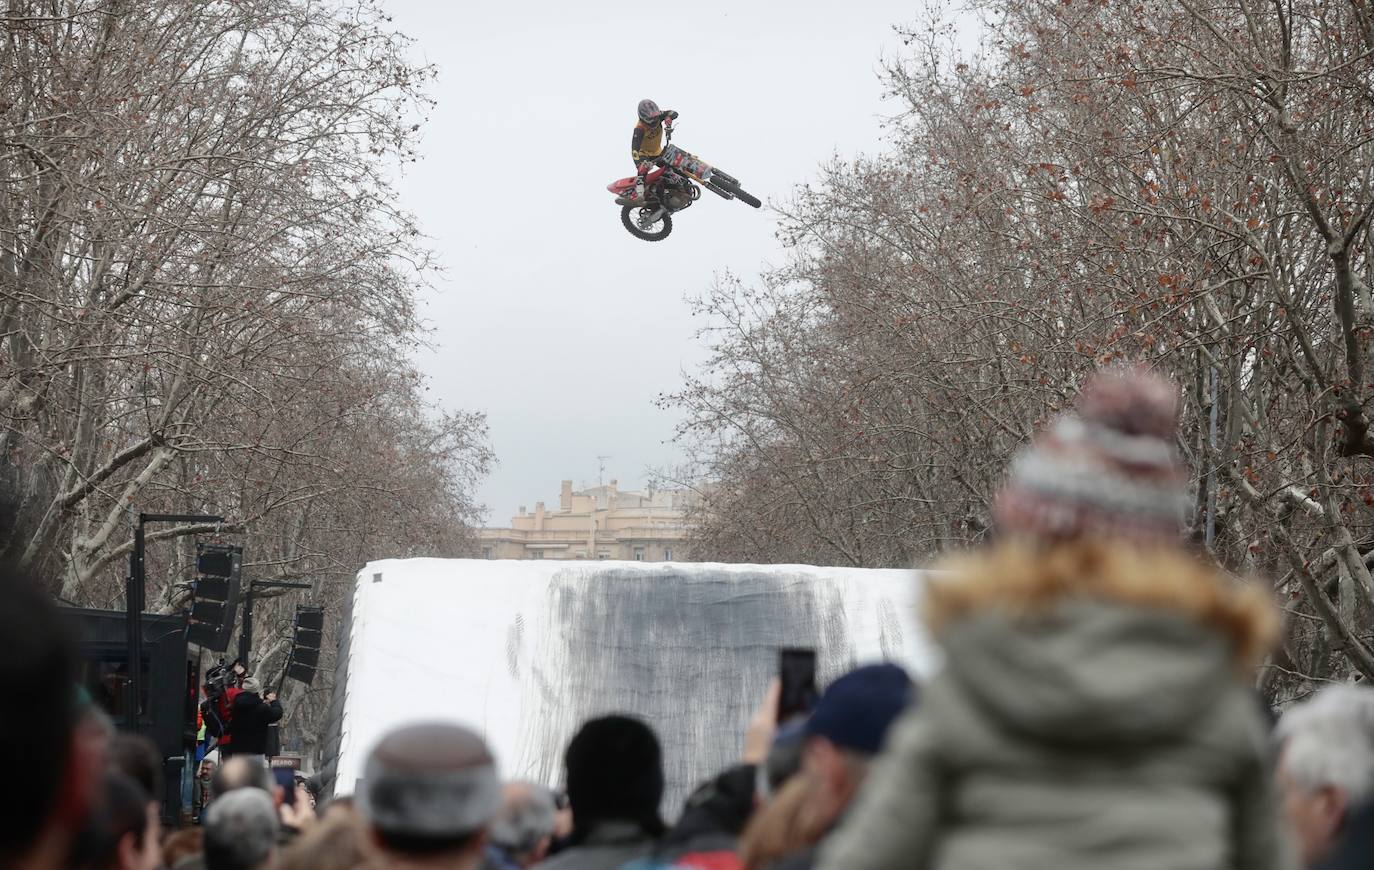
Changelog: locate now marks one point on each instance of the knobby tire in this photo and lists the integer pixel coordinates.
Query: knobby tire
(627, 218)
(729, 185)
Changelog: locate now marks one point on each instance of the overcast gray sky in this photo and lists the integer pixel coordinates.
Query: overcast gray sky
(551, 317)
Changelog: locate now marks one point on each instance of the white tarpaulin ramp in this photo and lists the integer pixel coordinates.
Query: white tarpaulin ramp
(524, 651)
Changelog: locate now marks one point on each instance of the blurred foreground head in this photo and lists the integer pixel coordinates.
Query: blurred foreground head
(523, 829)
(241, 771)
(137, 757)
(857, 709)
(615, 774)
(127, 828)
(844, 733)
(1108, 470)
(57, 764)
(429, 792)
(241, 831)
(1326, 772)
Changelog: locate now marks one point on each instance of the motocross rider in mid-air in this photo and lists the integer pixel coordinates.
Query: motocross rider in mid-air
(647, 144)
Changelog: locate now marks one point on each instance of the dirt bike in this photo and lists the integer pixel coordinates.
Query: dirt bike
(669, 189)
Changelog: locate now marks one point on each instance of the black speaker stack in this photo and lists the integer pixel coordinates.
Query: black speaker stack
(216, 595)
(305, 644)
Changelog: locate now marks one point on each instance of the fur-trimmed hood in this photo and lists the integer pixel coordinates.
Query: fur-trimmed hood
(1093, 642)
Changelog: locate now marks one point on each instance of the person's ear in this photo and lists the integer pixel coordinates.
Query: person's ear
(541, 850)
(822, 759)
(1332, 806)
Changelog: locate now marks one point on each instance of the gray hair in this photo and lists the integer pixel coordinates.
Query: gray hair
(252, 685)
(240, 830)
(241, 771)
(1329, 741)
(525, 820)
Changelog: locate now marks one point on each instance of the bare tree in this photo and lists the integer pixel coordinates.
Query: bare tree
(1179, 184)
(207, 295)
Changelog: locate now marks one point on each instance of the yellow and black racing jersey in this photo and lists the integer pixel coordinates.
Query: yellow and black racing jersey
(647, 142)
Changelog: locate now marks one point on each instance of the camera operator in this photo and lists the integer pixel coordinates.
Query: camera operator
(250, 715)
(221, 688)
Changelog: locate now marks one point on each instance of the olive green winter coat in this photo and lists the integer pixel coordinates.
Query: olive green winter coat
(1079, 722)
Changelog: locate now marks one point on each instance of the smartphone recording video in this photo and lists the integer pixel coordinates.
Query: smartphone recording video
(797, 673)
(286, 778)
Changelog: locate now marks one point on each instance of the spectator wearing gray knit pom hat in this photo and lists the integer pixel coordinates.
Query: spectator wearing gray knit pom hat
(429, 793)
(1093, 710)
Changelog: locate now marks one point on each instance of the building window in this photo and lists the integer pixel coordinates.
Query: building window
(537, 554)
(603, 555)
(486, 552)
(639, 554)
(667, 554)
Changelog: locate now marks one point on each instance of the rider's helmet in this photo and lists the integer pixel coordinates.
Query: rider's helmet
(649, 112)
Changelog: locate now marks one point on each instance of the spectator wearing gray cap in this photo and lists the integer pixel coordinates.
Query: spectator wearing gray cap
(240, 831)
(429, 793)
(523, 829)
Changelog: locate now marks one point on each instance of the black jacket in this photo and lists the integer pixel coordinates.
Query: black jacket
(713, 817)
(249, 721)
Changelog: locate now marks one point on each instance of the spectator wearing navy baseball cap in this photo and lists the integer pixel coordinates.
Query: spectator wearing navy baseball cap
(844, 733)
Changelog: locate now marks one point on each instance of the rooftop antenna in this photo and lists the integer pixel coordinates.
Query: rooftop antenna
(601, 470)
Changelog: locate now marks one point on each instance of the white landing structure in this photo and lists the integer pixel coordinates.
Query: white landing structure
(523, 651)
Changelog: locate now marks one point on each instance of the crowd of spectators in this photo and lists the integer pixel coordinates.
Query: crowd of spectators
(1094, 709)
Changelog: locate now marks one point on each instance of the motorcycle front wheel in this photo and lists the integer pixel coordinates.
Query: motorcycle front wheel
(634, 218)
(731, 186)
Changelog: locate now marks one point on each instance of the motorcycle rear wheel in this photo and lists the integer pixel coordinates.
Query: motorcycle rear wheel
(630, 218)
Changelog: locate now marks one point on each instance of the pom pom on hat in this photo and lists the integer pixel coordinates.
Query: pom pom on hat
(1110, 469)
